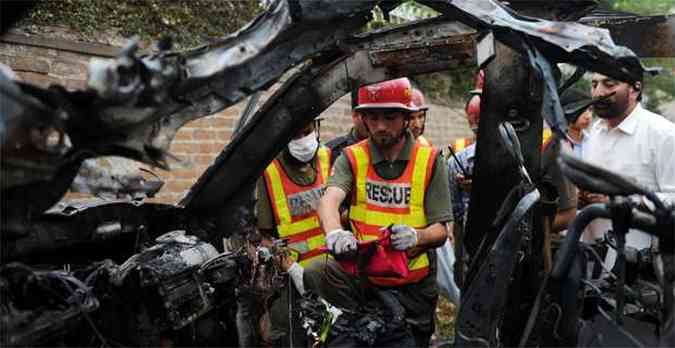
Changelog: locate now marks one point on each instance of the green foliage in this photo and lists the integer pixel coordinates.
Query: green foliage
(188, 22)
(659, 89)
(447, 87)
(643, 7)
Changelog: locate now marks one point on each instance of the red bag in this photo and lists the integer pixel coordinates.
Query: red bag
(381, 260)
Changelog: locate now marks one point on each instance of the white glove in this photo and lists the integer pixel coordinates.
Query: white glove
(295, 272)
(340, 242)
(403, 237)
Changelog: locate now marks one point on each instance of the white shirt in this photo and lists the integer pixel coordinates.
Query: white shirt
(578, 147)
(642, 148)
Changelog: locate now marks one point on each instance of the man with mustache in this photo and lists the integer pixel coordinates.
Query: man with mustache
(367, 174)
(631, 141)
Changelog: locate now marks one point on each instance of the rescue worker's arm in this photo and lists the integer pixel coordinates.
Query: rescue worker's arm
(338, 240)
(264, 215)
(267, 231)
(455, 191)
(433, 236)
(294, 270)
(563, 219)
(567, 201)
(456, 200)
(263, 207)
(329, 208)
(339, 183)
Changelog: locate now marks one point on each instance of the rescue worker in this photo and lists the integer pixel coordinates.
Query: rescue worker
(472, 104)
(419, 117)
(356, 134)
(288, 195)
(460, 171)
(461, 162)
(390, 181)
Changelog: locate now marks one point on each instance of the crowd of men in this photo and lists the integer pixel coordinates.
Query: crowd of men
(384, 184)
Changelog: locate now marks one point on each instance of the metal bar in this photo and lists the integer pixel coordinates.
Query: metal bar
(363, 66)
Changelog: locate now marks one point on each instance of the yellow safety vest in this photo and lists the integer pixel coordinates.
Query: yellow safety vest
(294, 207)
(379, 202)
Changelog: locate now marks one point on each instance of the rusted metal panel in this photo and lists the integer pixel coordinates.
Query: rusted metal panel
(430, 45)
(648, 36)
(454, 53)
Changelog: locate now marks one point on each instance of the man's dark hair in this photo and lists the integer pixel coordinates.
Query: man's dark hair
(633, 67)
(572, 99)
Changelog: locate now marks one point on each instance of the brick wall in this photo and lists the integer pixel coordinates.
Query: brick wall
(44, 61)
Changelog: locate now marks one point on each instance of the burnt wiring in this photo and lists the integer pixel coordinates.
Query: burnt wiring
(81, 296)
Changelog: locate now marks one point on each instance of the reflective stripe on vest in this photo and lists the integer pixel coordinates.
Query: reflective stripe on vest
(545, 138)
(461, 144)
(378, 202)
(300, 227)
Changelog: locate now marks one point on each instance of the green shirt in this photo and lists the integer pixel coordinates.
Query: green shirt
(437, 203)
(301, 175)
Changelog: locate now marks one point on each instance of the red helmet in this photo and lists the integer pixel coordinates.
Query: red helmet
(418, 100)
(472, 106)
(392, 94)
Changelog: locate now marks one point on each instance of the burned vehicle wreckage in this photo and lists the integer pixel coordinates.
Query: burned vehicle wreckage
(144, 274)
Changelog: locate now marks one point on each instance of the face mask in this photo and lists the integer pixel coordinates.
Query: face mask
(304, 149)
